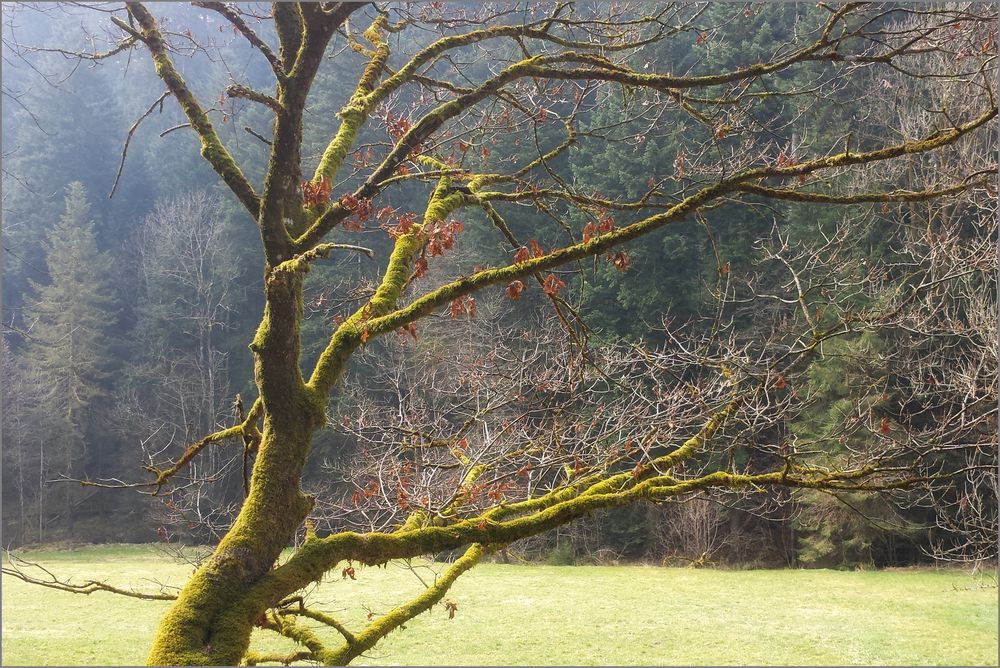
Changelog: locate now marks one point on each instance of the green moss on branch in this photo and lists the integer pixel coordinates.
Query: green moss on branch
(392, 620)
(211, 146)
(247, 429)
(355, 330)
(284, 625)
(356, 111)
(300, 263)
(446, 293)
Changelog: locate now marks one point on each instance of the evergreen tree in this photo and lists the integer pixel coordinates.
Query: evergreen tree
(71, 320)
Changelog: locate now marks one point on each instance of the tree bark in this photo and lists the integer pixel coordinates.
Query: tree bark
(211, 621)
(207, 625)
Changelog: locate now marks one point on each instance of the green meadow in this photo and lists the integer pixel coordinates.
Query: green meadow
(535, 614)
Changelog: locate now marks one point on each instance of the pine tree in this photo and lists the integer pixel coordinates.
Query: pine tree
(71, 343)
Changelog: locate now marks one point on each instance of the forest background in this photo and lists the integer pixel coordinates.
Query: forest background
(161, 289)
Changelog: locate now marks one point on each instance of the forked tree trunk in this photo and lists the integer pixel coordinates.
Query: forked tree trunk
(208, 625)
(211, 621)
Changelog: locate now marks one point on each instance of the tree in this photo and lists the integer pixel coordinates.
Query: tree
(24, 468)
(535, 67)
(51, 111)
(942, 338)
(70, 345)
(178, 379)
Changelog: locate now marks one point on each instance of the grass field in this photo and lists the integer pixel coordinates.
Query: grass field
(531, 615)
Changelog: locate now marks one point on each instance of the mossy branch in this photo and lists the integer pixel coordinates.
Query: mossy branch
(935, 140)
(437, 48)
(300, 263)
(539, 30)
(398, 616)
(548, 156)
(321, 554)
(246, 429)
(353, 331)
(257, 658)
(600, 483)
(211, 146)
(283, 625)
(377, 317)
(365, 97)
(823, 49)
(860, 198)
(238, 90)
(356, 111)
(237, 21)
(306, 566)
(125, 44)
(421, 130)
(326, 619)
(444, 294)
(505, 524)
(414, 137)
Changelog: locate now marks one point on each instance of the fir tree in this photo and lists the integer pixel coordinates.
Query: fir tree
(70, 345)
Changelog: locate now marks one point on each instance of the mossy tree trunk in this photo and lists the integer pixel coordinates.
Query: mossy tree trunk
(208, 624)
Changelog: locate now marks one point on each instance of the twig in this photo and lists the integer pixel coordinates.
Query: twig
(257, 135)
(87, 587)
(128, 138)
(176, 127)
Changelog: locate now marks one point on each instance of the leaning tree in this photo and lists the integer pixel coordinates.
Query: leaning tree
(539, 76)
